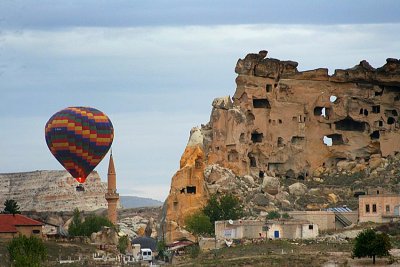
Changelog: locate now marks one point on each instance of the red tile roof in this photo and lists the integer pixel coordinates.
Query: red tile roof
(8, 222)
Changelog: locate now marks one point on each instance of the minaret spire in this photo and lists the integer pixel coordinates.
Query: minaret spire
(112, 196)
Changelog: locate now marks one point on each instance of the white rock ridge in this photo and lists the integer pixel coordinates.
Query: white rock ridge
(52, 191)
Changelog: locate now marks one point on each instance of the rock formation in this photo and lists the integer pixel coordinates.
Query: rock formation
(283, 128)
(52, 191)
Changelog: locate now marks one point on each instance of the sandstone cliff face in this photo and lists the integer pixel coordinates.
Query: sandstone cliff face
(276, 129)
(52, 191)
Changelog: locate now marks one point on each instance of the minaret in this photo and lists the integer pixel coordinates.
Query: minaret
(112, 196)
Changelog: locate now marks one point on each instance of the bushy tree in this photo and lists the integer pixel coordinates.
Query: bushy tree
(199, 224)
(368, 243)
(92, 224)
(123, 243)
(27, 252)
(11, 207)
(273, 215)
(74, 228)
(227, 207)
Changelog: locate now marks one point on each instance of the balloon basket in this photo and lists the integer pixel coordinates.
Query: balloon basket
(80, 188)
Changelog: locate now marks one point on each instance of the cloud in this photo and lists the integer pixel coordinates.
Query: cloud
(23, 14)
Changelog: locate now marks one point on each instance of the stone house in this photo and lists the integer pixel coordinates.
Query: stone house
(239, 229)
(291, 229)
(14, 225)
(331, 219)
(378, 207)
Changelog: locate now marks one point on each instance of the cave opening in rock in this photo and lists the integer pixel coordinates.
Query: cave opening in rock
(376, 109)
(280, 142)
(191, 189)
(233, 156)
(297, 140)
(261, 103)
(348, 124)
(300, 177)
(268, 88)
(256, 137)
(391, 112)
(290, 174)
(242, 138)
(198, 163)
(374, 135)
(253, 161)
(250, 117)
(336, 139)
(319, 111)
(261, 174)
(364, 112)
(378, 123)
(327, 141)
(379, 93)
(391, 120)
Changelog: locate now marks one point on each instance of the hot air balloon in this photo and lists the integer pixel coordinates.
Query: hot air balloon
(79, 138)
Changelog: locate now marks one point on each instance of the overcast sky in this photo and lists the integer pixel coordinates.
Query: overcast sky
(154, 68)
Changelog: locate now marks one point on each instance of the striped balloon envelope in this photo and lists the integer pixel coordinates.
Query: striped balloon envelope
(79, 138)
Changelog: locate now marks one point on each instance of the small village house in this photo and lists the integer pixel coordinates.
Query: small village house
(330, 219)
(378, 206)
(239, 229)
(291, 229)
(14, 225)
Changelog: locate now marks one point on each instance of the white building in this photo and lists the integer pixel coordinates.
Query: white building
(291, 229)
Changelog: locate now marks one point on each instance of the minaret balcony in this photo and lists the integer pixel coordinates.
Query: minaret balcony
(112, 195)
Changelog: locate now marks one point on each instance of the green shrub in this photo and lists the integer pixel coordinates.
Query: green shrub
(92, 224)
(273, 215)
(27, 252)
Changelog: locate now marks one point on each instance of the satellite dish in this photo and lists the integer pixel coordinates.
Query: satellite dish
(230, 221)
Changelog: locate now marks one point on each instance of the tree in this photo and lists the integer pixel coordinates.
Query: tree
(273, 215)
(370, 244)
(202, 222)
(123, 243)
(199, 224)
(227, 207)
(92, 224)
(74, 228)
(11, 207)
(27, 252)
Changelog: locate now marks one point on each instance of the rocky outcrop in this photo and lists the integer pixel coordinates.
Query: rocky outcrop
(52, 191)
(282, 126)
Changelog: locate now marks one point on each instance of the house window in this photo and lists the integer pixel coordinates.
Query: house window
(367, 208)
(373, 207)
(310, 227)
(387, 208)
(36, 231)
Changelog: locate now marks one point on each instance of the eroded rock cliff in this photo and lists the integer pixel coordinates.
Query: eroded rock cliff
(285, 134)
(52, 191)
